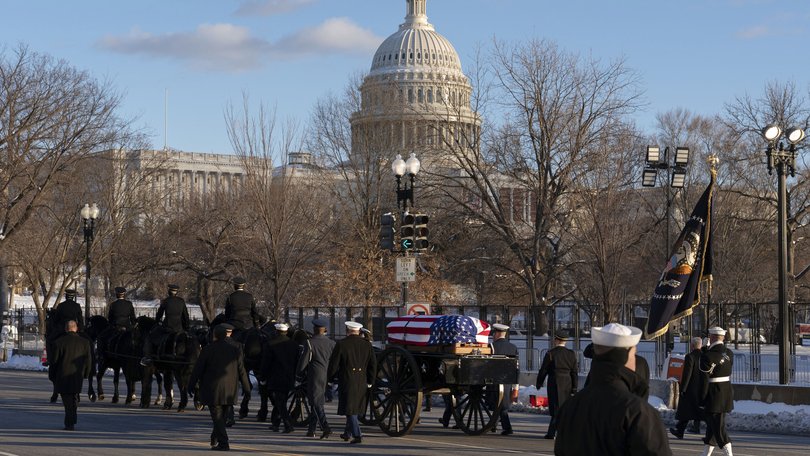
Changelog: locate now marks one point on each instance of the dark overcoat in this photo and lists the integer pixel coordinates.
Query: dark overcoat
(69, 363)
(689, 401)
(218, 370)
(504, 347)
(280, 364)
(606, 418)
(562, 369)
(67, 310)
(354, 363)
(716, 363)
(315, 361)
(175, 312)
(122, 313)
(240, 310)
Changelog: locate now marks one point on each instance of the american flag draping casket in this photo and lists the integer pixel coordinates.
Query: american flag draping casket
(438, 330)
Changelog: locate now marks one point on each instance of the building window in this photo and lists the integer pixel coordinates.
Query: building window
(410, 95)
(430, 95)
(421, 96)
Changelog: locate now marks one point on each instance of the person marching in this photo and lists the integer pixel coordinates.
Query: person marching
(562, 369)
(279, 365)
(173, 315)
(354, 363)
(716, 391)
(501, 346)
(240, 308)
(315, 362)
(607, 417)
(121, 313)
(218, 369)
(69, 366)
(691, 393)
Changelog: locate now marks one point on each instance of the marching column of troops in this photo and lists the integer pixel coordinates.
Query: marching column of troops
(612, 404)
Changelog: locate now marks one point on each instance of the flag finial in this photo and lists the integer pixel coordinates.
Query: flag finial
(713, 162)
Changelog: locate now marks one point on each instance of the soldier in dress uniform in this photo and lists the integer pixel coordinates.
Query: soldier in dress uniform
(121, 313)
(68, 310)
(608, 417)
(691, 392)
(315, 362)
(354, 363)
(69, 366)
(173, 316)
(240, 308)
(501, 346)
(279, 366)
(218, 369)
(717, 395)
(562, 369)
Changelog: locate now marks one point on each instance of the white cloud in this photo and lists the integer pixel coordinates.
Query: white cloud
(270, 7)
(334, 35)
(224, 47)
(750, 33)
(231, 48)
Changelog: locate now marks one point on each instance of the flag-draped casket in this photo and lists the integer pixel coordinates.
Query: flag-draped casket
(438, 330)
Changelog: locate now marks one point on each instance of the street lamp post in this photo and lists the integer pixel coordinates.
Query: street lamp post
(405, 193)
(89, 215)
(784, 160)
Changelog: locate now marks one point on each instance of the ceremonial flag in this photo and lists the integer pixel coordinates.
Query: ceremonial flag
(677, 290)
(437, 330)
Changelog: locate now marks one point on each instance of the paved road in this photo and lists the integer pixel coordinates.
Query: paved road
(31, 426)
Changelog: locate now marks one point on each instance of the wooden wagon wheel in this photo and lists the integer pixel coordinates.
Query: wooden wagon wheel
(398, 387)
(476, 408)
(298, 405)
(368, 418)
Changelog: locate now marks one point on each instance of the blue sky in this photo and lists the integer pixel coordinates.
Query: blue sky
(694, 54)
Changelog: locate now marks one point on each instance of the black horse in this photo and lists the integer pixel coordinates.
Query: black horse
(121, 351)
(174, 355)
(52, 334)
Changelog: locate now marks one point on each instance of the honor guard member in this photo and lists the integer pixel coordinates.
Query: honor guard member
(562, 369)
(69, 366)
(68, 310)
(606, 417)
(268, 369)
(279, 364)
(173, 313)
(354, 363)
(121, 313)
(501, 346)
(691, 392)
(240, 307)
(717, 395)
(315, 362)
(218, 370)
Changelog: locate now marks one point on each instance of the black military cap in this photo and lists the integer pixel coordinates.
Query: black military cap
(70, 292)
(120, 290)
(173, 287)
(239, 281)
(319, 322)
(562, 335)
(221, 330)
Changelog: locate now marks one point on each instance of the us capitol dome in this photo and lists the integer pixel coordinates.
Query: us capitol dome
(416, 97)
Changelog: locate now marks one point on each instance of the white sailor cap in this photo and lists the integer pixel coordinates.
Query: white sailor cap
(615, 335)
(281, 326)
(717, 331)
(354, 325)
(500, 327)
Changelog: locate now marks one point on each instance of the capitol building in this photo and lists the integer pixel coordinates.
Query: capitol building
(415, 98)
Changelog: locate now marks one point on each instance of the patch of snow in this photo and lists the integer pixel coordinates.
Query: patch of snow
(23, 362)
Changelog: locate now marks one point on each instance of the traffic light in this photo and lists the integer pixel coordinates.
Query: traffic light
(406, 232)
(420, 232)
(387, 231)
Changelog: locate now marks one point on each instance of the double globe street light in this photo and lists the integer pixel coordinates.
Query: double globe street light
(783, 159)
(89, 214)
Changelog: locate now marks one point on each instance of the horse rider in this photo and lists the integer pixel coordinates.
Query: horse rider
(173, 316)
(315, 361)
(67, 310)
(240, 308)
(121, 312)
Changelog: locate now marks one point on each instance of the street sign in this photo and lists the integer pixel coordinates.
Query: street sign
(417, 308)
(406, 269)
